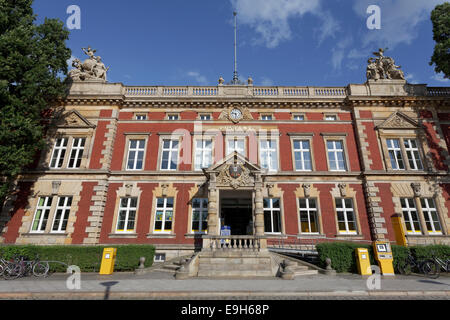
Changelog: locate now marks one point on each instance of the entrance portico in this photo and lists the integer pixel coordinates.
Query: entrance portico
(235, 178)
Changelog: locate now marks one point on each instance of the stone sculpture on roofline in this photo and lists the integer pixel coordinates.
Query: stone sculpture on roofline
(382, 68)
(92, 69)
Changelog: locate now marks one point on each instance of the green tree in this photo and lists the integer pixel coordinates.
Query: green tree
(440, 17)
(33, 65)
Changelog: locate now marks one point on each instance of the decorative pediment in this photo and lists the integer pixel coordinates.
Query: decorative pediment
(236, 113)
(234, 171)
(398, 120)
(73, 119)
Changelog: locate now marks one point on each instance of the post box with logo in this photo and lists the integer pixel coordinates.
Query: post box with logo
(363, 261)
(108, 261)
(383, 254)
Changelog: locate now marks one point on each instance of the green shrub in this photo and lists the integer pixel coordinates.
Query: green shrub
(426, 252)
(399, 254)
(87, 258)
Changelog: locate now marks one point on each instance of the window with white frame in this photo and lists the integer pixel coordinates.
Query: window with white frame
(266, 117)
(136, 152)
(330, 117)
(199, 215)
(302, 155)
(345, 216)
(412, 153)
(41, 215)
(62, 214)
(336, 155)
(395, 154)
(172, 117)
(431, 216)
(272, 215)
(410, 215)
(268, 154)
(236, 144)
(298, 117)
(127, 215)
(308, 215)
(59, 152)
(203, 154)
(169, 154)
(164, 215)
(76, 153)
(141, 117)
(205, 117)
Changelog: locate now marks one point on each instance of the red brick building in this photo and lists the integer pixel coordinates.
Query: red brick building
(171, 166)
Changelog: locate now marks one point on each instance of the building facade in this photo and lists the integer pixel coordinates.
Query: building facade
(171, 166)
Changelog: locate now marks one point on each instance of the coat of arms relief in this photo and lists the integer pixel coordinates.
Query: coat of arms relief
(235, 175)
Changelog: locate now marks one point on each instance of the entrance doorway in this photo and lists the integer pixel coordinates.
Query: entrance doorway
(236, 212)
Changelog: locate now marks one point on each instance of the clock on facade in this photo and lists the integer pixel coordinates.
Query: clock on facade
(235, 114)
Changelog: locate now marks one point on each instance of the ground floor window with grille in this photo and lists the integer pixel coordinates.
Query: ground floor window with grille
(345, 216)
(272, 215)
(308, 215)
(199, 215)
(127, 215)
(410, 215)
(164, 215)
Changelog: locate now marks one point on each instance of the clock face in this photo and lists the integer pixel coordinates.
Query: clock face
(235, 114)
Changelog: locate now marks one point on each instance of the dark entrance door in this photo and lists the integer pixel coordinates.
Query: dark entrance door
(237, 214)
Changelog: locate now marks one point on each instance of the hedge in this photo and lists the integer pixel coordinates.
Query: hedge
(343, 258)
(87, 258)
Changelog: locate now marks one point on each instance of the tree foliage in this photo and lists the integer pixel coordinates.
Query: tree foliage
(33, 63)
(440, 17)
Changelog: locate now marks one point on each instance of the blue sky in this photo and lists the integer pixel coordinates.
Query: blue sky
(280, 42)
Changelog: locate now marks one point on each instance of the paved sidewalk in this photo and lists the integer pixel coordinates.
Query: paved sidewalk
(161, 285)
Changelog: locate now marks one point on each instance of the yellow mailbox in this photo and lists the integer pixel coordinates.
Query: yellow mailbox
(108, 260)
(383, 254)
(363, 261)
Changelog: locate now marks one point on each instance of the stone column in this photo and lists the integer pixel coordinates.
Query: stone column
(259, 211)
(213, 216)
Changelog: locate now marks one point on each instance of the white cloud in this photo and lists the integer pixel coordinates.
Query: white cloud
(411, 78)
(440, 77)
(338, 52)
(270, 18)
(69, 62)
(266, 82)
(201, 80)
(399, 20)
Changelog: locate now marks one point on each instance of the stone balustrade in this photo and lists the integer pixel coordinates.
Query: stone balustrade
(234, 243)
(438, 91)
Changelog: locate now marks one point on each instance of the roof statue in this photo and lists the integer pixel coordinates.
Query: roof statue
(383, 67)
(91, 69)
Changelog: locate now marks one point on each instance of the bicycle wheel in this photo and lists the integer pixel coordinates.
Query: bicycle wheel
(431, 268)
(41, 269)
(12, 271)
(405, 268)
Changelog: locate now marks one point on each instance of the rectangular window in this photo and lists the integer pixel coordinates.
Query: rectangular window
(62, 214)
(164, 215)
(136, 155)
(76, 153)
(308, 215)
(199, 215)
(141, 117)
(330, 118)
(268, 156)
(41, 215)
(237, 145)
(172, 117)
(299, 117)
(203, 154)
(395, 154)
(336, 156)
(410, 215)
(412, 153)
(302, 155)
(169, 156)
(431, 216)
(272, 215)
(346, 217)
(127, 215)
(266, 117)
(205, 117)
(59, 152)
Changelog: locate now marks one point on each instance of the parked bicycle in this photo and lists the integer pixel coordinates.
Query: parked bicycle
(20, 267)
(411, 265)
(435, 265)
